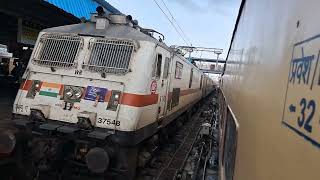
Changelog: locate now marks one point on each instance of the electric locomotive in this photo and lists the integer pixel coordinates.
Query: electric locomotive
(94, 92)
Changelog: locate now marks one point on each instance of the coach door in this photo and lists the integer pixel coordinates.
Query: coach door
(162, 73)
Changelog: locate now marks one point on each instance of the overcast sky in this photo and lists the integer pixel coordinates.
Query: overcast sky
(206, 23)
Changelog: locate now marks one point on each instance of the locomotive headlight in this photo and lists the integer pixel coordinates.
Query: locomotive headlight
(78, 94)
(73, 93)
(69, 93)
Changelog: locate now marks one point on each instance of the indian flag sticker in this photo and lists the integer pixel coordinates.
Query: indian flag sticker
(50, 89)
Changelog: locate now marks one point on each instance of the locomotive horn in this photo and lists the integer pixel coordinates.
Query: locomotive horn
(100, 11)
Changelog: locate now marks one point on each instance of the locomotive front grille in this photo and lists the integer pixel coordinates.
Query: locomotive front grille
(109, 55)
(56, 50)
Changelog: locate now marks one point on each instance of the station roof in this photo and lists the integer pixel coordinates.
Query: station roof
(83, 8)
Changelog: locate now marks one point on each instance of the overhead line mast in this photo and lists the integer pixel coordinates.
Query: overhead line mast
(217, 51)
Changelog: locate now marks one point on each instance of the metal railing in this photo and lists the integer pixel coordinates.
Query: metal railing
(58, 50)
(109, 55)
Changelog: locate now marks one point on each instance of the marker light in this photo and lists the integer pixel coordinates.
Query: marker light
(34, 88)
(114, 100)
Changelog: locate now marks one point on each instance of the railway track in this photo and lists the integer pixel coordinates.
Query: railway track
(169, 158)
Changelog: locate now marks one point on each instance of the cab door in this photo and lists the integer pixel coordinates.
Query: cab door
(162, 77)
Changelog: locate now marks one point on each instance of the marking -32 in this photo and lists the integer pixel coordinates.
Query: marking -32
(306, 114)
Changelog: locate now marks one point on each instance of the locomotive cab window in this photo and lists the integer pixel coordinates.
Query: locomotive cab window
(158, 66)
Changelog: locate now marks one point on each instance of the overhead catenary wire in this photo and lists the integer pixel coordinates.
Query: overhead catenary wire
(174, 19)
(172, 23)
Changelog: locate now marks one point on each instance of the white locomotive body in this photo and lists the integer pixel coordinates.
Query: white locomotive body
(108, 79)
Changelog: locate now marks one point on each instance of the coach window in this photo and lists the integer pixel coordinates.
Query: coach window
(191, 77)
(158, 68)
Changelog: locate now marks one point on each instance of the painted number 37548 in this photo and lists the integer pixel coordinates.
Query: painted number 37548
(108, 121)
